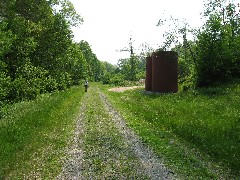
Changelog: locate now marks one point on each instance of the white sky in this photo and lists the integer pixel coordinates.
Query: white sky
(108, 24)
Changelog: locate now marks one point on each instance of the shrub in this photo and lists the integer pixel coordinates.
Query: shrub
(63, 80)
(117, 79)
(5, 82)
(186, 75)
(31, 81)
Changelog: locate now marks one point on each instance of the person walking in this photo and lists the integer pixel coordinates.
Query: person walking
(86, 85)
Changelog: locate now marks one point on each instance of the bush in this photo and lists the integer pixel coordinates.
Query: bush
(31, 81)
(117, 80)
(51, 84)
(22, 89)
(5, 82)
(63, 80)
(186, 75)
(106, 78)
(218, 50)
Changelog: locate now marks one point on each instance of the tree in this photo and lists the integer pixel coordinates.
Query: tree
(109, 71)
(37, 52)
(218, 57)
(94, 65)
(213, 55)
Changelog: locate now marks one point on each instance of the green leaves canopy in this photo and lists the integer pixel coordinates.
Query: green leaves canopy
(37, 51)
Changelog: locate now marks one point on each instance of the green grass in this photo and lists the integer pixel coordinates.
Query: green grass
(33, 135)
(106, 154)
(197, 132)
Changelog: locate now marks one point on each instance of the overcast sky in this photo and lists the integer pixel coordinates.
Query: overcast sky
(108, 24)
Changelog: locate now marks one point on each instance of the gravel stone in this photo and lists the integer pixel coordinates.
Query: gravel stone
(152, 164)
(77, 164)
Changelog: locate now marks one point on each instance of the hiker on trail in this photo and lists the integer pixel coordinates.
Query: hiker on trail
(86, 85)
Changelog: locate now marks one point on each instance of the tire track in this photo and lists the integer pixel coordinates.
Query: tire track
(73, 163)
(103, 147)
(152, 165)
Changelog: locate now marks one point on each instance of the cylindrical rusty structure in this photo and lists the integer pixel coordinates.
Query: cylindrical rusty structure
(148, 80)
(165, 72)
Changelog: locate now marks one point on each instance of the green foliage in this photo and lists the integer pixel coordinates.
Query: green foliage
(117, 80)
(29, 82)
(7, 38)
(214, 55)
(126, 72)
(106, 78)
(76, 64)
(186, 74)
(218, 59)
(5, 82)
(109, 71)
(132, 68)
(94, 65)
(68, 12)
(37, 51)
(64, 80)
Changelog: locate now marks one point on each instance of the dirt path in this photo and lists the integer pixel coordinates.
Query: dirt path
(103, 147)
(74, 160)
(122, 89)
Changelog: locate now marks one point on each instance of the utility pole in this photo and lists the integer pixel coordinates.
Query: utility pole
(130, 49)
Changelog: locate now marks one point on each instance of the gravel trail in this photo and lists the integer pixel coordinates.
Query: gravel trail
(103, 147)
(74, 160)
(154, 168)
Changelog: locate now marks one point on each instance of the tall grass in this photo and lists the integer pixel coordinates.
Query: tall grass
(33, 135)
(207, 120)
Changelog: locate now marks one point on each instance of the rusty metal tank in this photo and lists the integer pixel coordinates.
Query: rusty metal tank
(165, 72)
(148, 80)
